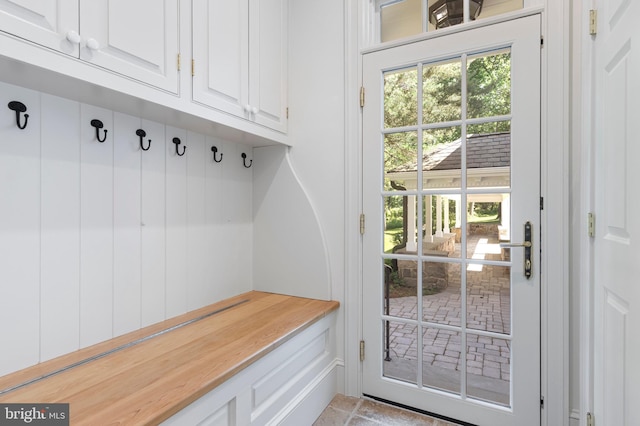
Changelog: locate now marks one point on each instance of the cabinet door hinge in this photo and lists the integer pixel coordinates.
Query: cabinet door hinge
(287, 113)
(193, 67)
(541, 203)
(361, 96)
(593, 22)
(541, 42)
(590, 420)
(361, 350)
(178, 64)
(591, 219)
(362, 224)
(541, 402)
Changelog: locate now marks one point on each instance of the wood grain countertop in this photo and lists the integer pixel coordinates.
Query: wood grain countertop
(148, 382)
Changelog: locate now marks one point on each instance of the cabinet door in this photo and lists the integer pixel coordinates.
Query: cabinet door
(268, 63)
(138, 39)
(43, 22)
(220, 52)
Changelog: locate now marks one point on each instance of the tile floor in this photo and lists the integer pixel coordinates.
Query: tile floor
(345, 410)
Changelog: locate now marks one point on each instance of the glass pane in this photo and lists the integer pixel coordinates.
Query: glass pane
(489, 155)
(400, 351)
(489, 368)
(442, 226)
(441, 298)
(488, 223)
(441, 359)
(489, 85)
(489, 298)
(400, 19)
(441, 158)
(442, 92)
(499, 7)
(401, 289)
(396, 224)
(401, 98)
(400, 161)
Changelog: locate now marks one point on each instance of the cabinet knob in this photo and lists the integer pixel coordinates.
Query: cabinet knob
(254, 110)
(73, 37)
(247, 108)
(93, 44)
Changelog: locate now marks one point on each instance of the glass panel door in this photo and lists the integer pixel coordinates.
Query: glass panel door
(451, 172)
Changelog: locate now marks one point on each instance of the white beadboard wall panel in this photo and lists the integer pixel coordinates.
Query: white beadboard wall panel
(96, 227)
(196, 225)
(213, 213)
(126, 223)
(99, 239)
(153, 234)
(20, 232)
(176, 222)
(235, 240)
(60, 242)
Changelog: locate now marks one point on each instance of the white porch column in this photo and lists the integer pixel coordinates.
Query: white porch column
(438, 216)
(505, 215)
(428, 220)
(447, 228)
(458, 213)
(412, 244)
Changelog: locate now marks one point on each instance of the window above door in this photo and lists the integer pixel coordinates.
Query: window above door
(398, 19)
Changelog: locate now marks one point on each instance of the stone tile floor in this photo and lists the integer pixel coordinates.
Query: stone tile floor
(345, 410)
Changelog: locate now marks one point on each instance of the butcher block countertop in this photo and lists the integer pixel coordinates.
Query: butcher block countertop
(148, 381)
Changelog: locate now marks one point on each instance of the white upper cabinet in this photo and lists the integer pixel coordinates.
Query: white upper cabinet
(47, 23)
(138, 39)
(240, 58)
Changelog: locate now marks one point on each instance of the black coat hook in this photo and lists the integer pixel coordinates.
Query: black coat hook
(177, 142)
(98, 125)
(142, 134)
(215, 152)
(19, 107)
(244, 160)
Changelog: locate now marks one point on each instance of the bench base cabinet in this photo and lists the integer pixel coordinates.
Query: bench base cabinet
(290, 385)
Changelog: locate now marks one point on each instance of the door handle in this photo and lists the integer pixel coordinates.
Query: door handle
(527, 245)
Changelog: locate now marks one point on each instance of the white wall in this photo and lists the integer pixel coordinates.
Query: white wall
(317, 126)
(98, 239)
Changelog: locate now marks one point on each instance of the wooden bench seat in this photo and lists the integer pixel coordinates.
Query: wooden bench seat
(148, 382)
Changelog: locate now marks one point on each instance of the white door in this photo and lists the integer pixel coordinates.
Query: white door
(451, 169)
(617, 202)
(43, 22)
(138, 39)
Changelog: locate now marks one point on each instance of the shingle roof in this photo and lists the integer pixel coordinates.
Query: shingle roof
(483, 151)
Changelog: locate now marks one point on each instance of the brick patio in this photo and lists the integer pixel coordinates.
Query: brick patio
(488, 309)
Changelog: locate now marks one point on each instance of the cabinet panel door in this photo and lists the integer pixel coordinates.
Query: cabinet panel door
(220, 51)
(42, 22)
(138, 39)
(268, 62)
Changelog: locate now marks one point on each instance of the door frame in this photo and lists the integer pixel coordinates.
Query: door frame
(556, 19)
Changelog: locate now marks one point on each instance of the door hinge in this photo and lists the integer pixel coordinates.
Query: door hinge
(361, 350)
(362, 224)
(541, 203)
(287, 113)
(591, 421)
(193, 67)
(178, 64)
(541, 402)
(541, 42)
(591, 219)
(362, 97)
(593, 22)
